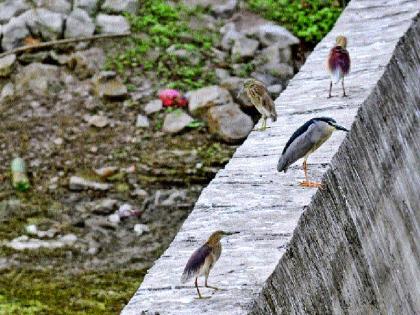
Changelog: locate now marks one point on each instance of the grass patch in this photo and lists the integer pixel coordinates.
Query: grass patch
(48, 292)
(158, 26)
(310, 20)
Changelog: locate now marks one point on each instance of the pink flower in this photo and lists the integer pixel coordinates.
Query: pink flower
(171, 97)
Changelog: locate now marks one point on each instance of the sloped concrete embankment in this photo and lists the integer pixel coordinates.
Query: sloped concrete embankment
(356, 249)
(352, 248)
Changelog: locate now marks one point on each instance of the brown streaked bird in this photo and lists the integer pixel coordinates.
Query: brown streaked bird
(338, 63)
(204, 259)
(261, 99)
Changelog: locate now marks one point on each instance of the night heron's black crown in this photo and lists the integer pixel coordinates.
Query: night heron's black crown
(302, 129)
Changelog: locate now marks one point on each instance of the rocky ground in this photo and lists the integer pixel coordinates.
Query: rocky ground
(113, 170)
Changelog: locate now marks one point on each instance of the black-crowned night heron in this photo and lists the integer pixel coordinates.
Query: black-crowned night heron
(203, 260)
(338, 63)
(305, 140)
(261, 99)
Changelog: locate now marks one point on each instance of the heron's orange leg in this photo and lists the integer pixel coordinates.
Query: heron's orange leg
(307, 183)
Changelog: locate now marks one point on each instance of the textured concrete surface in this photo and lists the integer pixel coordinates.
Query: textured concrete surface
(352, 248)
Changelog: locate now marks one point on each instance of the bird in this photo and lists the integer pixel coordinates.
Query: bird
(261, 99)
(304, 141)
(203, 260)
(338, 63)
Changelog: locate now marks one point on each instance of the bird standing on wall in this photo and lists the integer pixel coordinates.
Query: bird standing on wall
(204, 259)
(338, 63)
(261, 99)
(305, 140)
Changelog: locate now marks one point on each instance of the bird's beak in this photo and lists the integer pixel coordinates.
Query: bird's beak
(231, 233)
(338, 127)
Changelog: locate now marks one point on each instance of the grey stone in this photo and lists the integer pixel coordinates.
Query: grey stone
(105, 206)
(6, 65)
(38, 78)
(270, 54)
(221, 8)
(90, 6)
(280, 70)
(176, 121)
(142, 121)
(59, 6)
(107, 84)
(275, 90)
(79, 24)
(7, 92)
(229, 123)
(119, 6)
(79, 183)
(11, 8)
(202, 99)
(112, 24)
(45, 23)
(345, 248)
(221, 74)
(153, 106)
(229, 39)
(14, 32)
(26, 243)
(265, 78)
(184, 54)
(270, 34)
(96, 120)
(244, 47)
(140, 229)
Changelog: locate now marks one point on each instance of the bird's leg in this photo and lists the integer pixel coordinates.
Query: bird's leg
(307, 183)
(344, 91)
(264, 124)
(198, 291)
(329, 93)
(209, 286)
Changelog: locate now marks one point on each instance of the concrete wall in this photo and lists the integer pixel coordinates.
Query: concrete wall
(356, 249)
(352, 248)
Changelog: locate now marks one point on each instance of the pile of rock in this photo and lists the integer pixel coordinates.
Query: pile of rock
(54, 19)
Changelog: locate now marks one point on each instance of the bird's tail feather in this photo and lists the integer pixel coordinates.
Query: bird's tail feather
(336, 75)
(186, 276)
(282, 165)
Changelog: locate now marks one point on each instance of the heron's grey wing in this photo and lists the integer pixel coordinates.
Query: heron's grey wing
(300, 146)
(195, 262)
(268, 103)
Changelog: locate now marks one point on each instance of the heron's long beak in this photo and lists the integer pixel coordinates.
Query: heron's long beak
(338, 127)
(231, 233)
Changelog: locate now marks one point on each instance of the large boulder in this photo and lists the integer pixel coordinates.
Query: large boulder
(38, 78)
(119, 6)
(229, 123)
(45, 23)
(176, 121)
(199, 101)
(11, 8)
(222, 8)
(112, 24)
(90, 6)
(6, 65)
(14, 32)
(244, 47)
(59, 6)
(79, 24)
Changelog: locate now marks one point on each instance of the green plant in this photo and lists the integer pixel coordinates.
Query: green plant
(310, 20)
(158, 26)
